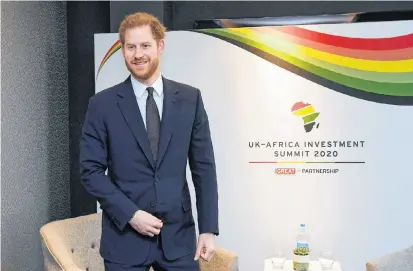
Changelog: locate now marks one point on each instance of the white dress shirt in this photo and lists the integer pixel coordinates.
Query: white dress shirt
(142, 94)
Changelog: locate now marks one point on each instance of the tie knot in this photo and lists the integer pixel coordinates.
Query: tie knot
(150, 90)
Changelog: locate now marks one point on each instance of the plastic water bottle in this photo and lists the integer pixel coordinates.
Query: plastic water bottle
(302, 239)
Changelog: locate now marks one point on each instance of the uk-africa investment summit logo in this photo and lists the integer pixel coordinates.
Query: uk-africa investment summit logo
(307, 113)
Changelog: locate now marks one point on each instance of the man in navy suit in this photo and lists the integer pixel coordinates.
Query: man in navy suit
(143, 131)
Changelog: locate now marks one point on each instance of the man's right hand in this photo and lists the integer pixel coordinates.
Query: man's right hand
(145, 223)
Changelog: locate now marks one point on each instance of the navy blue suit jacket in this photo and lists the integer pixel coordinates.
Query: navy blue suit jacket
(114, 138)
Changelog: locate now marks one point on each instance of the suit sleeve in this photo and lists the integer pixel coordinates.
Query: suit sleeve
(93, 164)
(202, 165)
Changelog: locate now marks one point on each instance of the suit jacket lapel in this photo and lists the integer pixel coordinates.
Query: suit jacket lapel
(130, 110)
(168, 117)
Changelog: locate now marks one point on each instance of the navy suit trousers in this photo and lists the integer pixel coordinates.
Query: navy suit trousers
(157, 261)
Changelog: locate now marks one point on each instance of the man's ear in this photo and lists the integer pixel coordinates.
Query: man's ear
(161, 46)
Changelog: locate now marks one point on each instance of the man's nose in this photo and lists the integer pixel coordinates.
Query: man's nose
(138, 53)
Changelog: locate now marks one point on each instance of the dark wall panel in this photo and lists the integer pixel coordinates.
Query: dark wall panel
(120, 9)
(186, 12)
(84, 19)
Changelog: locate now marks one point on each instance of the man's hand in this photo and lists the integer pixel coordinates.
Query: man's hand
(206, 246)
(145, 223)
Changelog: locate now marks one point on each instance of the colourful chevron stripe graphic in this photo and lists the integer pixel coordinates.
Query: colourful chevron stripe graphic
(307, 113)
(373, 69)
(115, 47)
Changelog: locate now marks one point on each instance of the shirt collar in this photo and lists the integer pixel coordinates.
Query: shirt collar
(140, 88)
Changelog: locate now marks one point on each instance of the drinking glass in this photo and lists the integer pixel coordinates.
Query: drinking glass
(326, 259)
(278, 260)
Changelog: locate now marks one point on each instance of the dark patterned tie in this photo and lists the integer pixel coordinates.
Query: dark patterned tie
(153, 122)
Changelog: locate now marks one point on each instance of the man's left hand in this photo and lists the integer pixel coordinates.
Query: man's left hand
(206, 246)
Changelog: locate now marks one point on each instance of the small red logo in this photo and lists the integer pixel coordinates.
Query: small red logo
(285, 171)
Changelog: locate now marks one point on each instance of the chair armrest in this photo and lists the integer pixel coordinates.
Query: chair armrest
(223, 260)
(54, 248)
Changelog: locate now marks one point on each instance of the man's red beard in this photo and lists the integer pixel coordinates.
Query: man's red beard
(143, 73)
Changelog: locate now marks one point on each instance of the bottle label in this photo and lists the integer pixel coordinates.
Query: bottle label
(302, 244)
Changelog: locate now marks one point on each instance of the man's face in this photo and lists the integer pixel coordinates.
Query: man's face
(141, 52)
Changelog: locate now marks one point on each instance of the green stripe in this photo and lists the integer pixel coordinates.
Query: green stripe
(393, 89)
(311, 117)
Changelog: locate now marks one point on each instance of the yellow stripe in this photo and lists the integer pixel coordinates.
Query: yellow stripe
(304, 111)
(360, 64)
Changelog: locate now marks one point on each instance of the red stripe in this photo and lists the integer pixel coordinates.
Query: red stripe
(299, 105)
(400, 54)
(392, 43)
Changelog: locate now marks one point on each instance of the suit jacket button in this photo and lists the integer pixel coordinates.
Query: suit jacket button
(152, 204)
